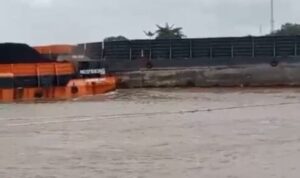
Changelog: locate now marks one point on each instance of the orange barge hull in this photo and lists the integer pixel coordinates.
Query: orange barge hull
(30, 74)
(75, 89)
(48, 81)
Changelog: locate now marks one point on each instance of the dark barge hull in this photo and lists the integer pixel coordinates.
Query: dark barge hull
(230, 61)
(284, 73)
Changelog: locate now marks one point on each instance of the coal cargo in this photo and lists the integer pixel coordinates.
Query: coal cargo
(19, 53)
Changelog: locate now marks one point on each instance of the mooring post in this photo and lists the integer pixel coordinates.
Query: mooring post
(210, 50)
(296, 47)
(253, 47)
(274, 47)
(191, 48)
(170, 52)
(130, 54)
(103, 49)
(232, 50)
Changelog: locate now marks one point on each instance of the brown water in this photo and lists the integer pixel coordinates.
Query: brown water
(171, 133)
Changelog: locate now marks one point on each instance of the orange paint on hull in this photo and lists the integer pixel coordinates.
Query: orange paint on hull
(75, 89)
(55, 49)
(36, 69)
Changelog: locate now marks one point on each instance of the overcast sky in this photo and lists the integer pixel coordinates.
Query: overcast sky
(73, 21)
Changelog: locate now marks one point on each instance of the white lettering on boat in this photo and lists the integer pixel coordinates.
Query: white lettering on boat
(92, 71)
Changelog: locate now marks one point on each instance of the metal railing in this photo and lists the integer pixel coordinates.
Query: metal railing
(269, 46)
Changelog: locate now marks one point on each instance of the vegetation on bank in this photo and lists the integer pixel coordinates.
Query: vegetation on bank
(162, 32)
(166, 32)
(115, 38)
(287, 29)
(172, 32)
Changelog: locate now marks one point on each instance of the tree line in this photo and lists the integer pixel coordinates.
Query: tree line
(172, 32)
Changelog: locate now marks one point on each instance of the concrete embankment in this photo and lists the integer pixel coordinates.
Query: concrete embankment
(256, 75)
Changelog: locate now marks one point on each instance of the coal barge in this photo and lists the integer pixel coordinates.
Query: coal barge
(202, 62)
(31, 74)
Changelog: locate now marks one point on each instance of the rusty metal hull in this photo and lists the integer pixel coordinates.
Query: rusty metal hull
(284, 73)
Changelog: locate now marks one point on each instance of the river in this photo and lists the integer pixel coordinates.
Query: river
(151, 133)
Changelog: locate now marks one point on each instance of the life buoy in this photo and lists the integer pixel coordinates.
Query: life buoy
(74, 90)
(38, 94)
(274, 63)
(149, 65)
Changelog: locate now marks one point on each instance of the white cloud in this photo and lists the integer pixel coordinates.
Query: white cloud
(38, 3)
(72, 21)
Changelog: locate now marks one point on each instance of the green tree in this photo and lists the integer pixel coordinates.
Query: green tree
(149, 34)
(115, 38)
(166, 32)
(288, 29)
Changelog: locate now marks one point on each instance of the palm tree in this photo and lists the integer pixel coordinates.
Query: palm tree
(149, 34)
(167, 32)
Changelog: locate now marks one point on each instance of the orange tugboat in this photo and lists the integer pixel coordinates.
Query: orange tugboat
(30, 74)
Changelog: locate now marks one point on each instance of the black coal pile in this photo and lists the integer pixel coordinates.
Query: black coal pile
(20, 53)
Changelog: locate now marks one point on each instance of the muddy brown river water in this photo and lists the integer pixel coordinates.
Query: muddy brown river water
(168, 133)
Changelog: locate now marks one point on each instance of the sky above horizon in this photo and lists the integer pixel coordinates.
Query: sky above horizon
(74, 21)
